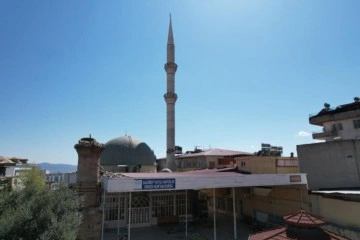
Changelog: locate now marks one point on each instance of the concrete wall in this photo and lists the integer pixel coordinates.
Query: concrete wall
(277, 201)
(348, 131)
(341, 215)
(143, 168)
(334, 164)
(196, 162)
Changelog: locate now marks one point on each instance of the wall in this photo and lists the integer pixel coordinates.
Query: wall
(116, 169)
(277, 201)
(192, 163)
(334, 164)
(10, 171)
(266, 164)
(341, 215)
(348, 132)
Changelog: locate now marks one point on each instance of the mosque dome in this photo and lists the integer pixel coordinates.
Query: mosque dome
(127, 150)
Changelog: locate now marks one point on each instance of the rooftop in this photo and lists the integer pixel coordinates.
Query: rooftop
(339, 109)
(282, 234)
(215, 152)
(301, 225)
(304, 219)
(202, 179)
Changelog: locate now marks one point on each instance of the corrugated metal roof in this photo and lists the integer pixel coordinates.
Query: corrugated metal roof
(126, 182)
(215, 152)
(199, 173)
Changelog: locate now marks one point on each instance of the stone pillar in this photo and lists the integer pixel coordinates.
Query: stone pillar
(88, 186)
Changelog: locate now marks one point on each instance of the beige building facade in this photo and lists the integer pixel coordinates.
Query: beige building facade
(340, 210)
(267, 164)
(210, 158)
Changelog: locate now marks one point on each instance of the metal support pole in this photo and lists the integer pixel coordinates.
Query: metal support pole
(234, 212)
(214, 208)
(186, 221)
(103, 216)
(174, 200)
(273, 202)
(302, 203)
(119, 215)
(129, 227)
(252, 203)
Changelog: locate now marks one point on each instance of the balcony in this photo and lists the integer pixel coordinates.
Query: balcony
(325, 135)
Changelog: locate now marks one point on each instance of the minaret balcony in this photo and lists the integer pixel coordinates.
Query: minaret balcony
(170, 97)
(170, 67)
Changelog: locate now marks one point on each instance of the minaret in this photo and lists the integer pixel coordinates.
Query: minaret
(88, 185)
(170, 99)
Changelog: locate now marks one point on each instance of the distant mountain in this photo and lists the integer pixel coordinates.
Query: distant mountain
(54, 168)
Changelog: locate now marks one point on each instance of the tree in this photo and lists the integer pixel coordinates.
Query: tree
(36, 212)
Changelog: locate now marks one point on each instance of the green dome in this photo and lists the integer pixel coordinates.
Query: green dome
(127, 150)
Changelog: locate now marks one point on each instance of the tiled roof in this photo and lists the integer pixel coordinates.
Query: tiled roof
(4, 160)
(282, 234)
(302, 225)
(215, 152)
(304, 219)
(275, 234)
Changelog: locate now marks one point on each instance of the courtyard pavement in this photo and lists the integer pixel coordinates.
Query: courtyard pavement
(199, 231)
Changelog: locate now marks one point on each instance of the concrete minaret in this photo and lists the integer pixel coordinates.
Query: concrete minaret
(170, 99)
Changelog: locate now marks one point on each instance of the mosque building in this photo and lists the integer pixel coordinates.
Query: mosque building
(122, 188)
(127, 154)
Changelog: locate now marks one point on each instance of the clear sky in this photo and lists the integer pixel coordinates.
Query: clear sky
(249, 72)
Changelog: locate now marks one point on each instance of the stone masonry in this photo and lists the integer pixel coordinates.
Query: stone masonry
(88, 186)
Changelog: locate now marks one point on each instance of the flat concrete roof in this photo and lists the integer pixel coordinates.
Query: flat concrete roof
(195, 180)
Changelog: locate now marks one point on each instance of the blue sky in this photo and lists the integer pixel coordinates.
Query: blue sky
(249, 72)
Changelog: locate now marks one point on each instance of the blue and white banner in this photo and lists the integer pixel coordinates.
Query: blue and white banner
(154, 184)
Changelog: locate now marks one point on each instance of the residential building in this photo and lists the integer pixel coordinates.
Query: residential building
(11, 168)
(210, 158)
(334, 163)
(342, 122)
(267, 164)
(55, 179)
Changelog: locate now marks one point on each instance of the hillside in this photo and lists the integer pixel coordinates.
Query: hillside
(58, 167)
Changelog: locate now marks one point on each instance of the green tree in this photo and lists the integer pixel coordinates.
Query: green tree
(32, 178)
(36, 212)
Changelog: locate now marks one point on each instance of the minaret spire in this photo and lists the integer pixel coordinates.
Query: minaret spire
(170, 99)
(170, 34)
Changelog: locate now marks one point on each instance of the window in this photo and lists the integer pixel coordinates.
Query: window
(340, 126)
(356, 123)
